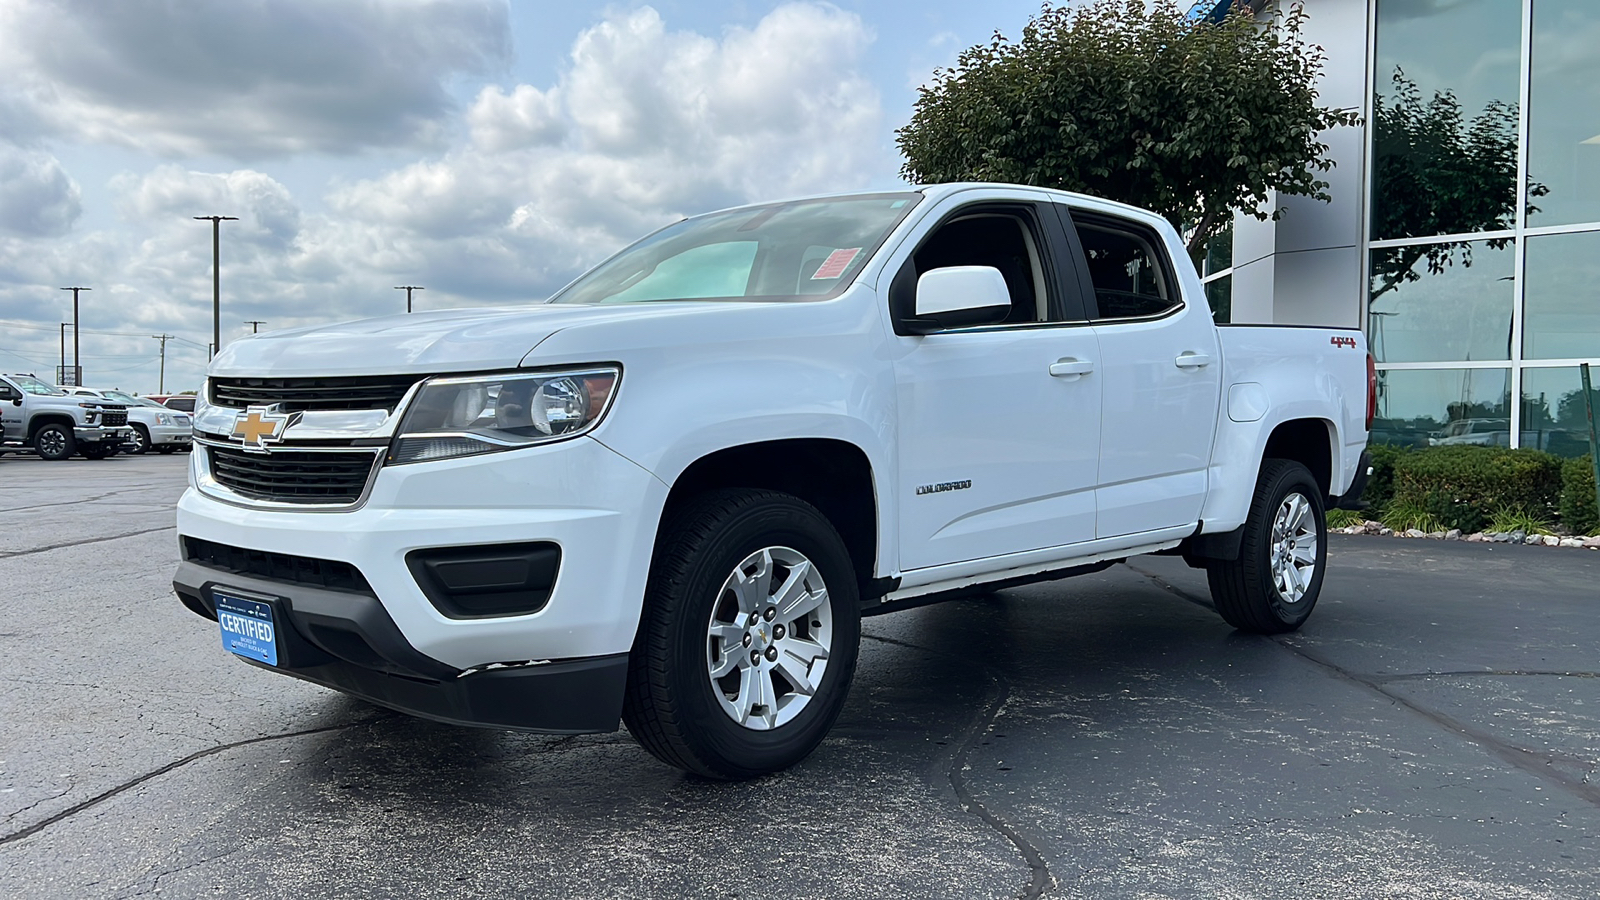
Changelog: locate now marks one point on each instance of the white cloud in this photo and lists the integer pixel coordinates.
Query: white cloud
(644, 124)
(243, 79)
(37, 197)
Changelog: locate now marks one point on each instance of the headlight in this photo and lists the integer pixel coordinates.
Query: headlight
(163, 419)
(466, 416)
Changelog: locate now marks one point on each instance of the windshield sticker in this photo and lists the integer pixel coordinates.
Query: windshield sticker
(835, 264)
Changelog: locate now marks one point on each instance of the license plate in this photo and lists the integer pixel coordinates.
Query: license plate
(247, 628)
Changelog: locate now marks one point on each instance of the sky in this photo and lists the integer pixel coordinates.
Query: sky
(487, 151)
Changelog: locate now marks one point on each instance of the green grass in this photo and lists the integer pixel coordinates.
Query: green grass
(1344, 518)
(1517, 518)
(1404, 515)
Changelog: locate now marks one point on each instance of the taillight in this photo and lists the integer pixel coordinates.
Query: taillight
(1372, 390)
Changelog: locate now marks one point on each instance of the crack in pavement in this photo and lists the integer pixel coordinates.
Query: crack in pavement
(130, 488)
(1540, 765)
(97, 540)
(1499, 673)
(107, 794)
(1040, 878)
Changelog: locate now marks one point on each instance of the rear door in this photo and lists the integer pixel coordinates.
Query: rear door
(1161, 369)
(997, 455)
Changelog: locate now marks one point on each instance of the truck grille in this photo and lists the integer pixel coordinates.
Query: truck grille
(109, 418)
(297, 394)
(324, 573)
(288, 476)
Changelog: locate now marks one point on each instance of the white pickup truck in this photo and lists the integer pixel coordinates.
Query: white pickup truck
(668, 494)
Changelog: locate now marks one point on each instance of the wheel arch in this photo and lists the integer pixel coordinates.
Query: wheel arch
(833, 475)
(1311, 442)
(42, 419)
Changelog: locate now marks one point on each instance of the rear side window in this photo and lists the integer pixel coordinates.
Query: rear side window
(1128, 271)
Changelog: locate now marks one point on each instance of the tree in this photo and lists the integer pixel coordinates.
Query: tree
(1134, 102)
(1437, 173)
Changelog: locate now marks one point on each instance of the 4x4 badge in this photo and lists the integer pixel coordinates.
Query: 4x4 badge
(259, 426)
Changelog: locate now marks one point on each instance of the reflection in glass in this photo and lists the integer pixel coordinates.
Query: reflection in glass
(1445, 117)
(1553, 417)
(1564, 112)
(1443, 407)
(1442, 302)
(1561, 308)
(1219, 295)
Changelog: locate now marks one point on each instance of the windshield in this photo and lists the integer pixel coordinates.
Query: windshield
(36, 387)
(803, 250)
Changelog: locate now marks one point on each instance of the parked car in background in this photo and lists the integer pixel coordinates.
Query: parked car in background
(181, 402)
(1474, 432)
(57, 424)
(154, 426)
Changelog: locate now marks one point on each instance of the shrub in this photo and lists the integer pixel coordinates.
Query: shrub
(1578, 510)
(1404, 515)
(1344, 518)
(1518, 518)
(1462, 487)
(1380, 486)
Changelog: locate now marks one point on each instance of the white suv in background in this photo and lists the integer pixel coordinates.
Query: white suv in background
(155, 427)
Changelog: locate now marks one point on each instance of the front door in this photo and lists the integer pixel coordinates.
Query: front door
(999, 425)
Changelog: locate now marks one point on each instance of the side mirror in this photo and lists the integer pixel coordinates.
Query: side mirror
(959, 297)
(16, 401)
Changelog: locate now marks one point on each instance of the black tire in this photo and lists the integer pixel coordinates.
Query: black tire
(1245, 591)
(166, 449)
(671, 707)
(140, 440)
(54, 442)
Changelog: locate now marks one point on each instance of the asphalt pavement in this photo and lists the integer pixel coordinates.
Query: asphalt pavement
(1433, 731)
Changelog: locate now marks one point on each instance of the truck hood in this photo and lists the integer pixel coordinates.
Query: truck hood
(431, 342)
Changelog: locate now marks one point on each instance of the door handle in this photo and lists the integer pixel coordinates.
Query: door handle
(1191, 360)
(1071, 367)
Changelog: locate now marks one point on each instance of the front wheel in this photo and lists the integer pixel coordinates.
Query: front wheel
(54, 442)
(1273, 585)
(748, 638)
(140, 440)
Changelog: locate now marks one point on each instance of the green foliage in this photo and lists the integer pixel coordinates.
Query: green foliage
(1578, 511)
(1380, 486)
(1404, 515)
(1132, 101)
(1518, 518)
(1463, 487)
(1344, 518)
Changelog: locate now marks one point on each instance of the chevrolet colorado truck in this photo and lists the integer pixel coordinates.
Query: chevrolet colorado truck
(668, 494)
(57, 424)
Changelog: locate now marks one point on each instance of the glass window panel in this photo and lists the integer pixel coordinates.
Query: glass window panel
(1562, 306)
(1553, 418)
(1219, 295)
(1445, 117)
(1564, 114)
(1442, 302)
(1443, 407)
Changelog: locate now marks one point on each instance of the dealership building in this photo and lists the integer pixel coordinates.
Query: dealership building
(1464, 231)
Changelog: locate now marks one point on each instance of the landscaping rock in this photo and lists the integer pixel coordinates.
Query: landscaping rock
(1436, 535)
(1592, 543)
(1571, 542)
(1415, 533)
(1517, 537)
(1453, 534)
(1476, 537)
(1385, 532)
(1551, 540)
(1498, 537)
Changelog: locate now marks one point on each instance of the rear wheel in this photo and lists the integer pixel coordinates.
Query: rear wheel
(1273, 585)
(748, 638)
(54, 442)
(166, 449)
(140, 439)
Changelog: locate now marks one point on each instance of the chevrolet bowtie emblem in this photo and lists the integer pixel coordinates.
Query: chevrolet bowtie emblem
(258, 426)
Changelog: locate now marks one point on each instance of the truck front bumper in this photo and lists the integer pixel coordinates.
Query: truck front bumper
(347, 641)
(377, 632)
(98, 434)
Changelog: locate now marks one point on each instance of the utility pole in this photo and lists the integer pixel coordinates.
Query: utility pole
(161, 384)
(216, 277)
(77, 364)
(61, 372)
(408, 288)
(254, 324)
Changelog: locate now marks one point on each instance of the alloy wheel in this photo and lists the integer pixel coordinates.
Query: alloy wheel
(1294, 547)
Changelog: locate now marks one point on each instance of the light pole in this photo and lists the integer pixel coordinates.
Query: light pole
(408, 288)
(216, 277)
(161, 383)
(254, 324)
(77, 364)
(61, 372)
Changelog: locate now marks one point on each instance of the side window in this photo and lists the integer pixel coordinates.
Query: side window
(1002, 238)
(1128, 271)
